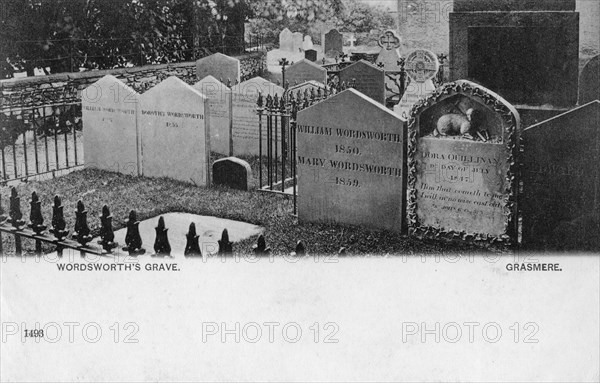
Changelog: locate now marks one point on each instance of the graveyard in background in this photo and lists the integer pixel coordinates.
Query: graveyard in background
(479, 135)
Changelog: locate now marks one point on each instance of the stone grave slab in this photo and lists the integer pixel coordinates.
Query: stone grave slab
(310, 55)
(561, 181)
(463, 186)
(286, 42)
(589, 81)
(245, 131)
(219, 103)
(305, 70)
(421, 66)
(219, 66)
(370, 80)
(109, 113)
(307, 43)
(351, 170)
(233, 172)
(334, 43)
(175, 132)
(209, 229)
(297, 41)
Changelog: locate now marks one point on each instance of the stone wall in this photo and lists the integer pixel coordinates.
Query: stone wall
(66, 87)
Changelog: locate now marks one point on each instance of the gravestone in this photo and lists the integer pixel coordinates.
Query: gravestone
(286, 42)
(561, 181)
(351, 170)
(370, 80)
(297, 41)
(351, 40)
(305, 70)
(310, 55)
(175, 132)
(589, 82)
(463, 186)
(219, 103)
(219, 66)
(390, 51)
(421, 67)
(307, 44)
(232, 172)
(111, 136)
(334, 43)
(245, 131)
(511, 47)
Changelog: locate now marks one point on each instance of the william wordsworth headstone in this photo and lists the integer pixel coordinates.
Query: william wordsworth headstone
(175, 137)
(305, 70)
(219, 102)
(463, 143)
(351, 170)
(219, 66)
(111, 137)
(561, 181)
(232, 172)
(366, 78)
(245, 132)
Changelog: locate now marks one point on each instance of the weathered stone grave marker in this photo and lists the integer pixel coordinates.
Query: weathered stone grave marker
(219, 102)
(463, 143)
(219, 66)
(297, 41)
(310, 55)
(245, 132)
(350, 170)
(334, 43)
(390, 51)
(305, 70)
(370, 80)
(421, 67)
(589, 81)
(307, 44)
(232, 172)
(111, 139)
(286, 40)
(561, 181)
(175, 132)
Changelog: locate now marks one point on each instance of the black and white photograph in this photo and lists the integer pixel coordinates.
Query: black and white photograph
(300, 191)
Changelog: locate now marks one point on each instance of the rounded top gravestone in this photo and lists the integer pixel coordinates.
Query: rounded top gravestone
(421, 65)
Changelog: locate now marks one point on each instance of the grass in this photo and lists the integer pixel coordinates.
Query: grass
(152, 197)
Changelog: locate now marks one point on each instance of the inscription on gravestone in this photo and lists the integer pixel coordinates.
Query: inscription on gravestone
(175, 135)
(561, 181)
(370, 80)
(351, 170)
(219, 103)
(462, 149)
(109, 114)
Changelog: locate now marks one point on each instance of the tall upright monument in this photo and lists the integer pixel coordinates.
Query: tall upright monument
(525, 50)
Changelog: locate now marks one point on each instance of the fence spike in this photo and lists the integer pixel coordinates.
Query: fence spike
(225, 247)
(82, 231)
(133, 240)
(259, 102)
(35, 216)
(300, 250)
(192, 248)
(228, 82)
(261, 246)
(58, 220)
(107, 235)
(162, 247)
(15, 210)
(287, 84)
(282, 105)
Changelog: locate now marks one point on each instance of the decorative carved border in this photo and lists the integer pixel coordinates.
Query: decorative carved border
(511, 143)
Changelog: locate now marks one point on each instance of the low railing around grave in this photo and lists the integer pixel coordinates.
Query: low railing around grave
(81, 238)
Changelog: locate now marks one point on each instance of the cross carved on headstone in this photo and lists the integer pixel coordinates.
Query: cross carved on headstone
(389, 40)
(351, 40)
